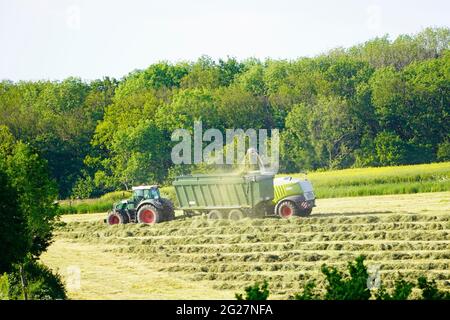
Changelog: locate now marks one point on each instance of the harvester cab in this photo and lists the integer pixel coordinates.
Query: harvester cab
(145, 206)
(293, 196)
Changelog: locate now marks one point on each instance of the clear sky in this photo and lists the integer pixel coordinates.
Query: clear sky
(54, 39)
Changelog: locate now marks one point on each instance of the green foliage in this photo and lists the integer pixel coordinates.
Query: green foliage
(102, 204)
(430, 290)
(347, 287)
(308, 292)
(255, 292)
(42, 283)
(402, 290)
(14, 240)
(36, 191)
(4, 287)
(83, 188)
(443, 153)
(390, 149)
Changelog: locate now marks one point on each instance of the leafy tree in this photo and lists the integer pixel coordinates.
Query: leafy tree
(390, 149)
(14, 242)
(36, 193)
(333, 132)
(443, 153)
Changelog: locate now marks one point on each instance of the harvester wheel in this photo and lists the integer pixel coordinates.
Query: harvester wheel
(215, 215)
(115, 217)
(148, 214)
(287, 209)
(235, 214)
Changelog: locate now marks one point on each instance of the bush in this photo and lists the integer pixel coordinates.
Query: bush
(308, 292)
(42, 283)
(430, 290)
(351, 287)
(255, 292)
(402, 290)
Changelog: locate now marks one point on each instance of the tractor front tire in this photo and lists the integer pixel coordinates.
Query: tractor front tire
(149, 214)
(116, 217)
(287, 209)
(169, 210)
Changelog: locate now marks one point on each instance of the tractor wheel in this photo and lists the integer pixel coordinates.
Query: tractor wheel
(169, 211)
(148, 214)
(287, 209)
(235, 214)
(116, 218)
(215, 215)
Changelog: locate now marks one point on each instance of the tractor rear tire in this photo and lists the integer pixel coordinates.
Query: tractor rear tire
(149, 214)
(169, 210)
(287, 209)
(215, 215)
(235, 214)
(115, 217)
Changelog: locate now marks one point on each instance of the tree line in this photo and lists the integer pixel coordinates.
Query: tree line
(382, 102)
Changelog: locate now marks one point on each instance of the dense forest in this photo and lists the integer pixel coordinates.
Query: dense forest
(383, 102)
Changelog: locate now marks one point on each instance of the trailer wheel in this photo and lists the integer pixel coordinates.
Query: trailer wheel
(287, 209)
(115, 218)
(215, 215)
(148, 214)
(235, 214)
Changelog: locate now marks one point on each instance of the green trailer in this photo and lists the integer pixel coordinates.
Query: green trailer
(231, 196)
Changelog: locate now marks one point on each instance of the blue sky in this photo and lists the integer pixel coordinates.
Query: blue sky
(54, 39)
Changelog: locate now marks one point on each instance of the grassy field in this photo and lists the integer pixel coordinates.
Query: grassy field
(432, 177)
(198, 259)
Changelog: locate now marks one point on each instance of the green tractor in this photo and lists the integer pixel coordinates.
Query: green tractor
(145, 206)
(293, 197)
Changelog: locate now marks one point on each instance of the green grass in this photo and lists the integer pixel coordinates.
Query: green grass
(433, 177)
(102, 204)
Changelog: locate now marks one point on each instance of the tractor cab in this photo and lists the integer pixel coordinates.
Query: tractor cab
(145, 192)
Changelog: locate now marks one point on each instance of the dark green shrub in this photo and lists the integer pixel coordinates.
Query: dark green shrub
(42, 283)
(347, 287)
(308, 292)
(255, 292)
(402, 290)
(430, 290)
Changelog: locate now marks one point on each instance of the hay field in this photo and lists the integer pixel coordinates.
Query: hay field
(198, 259)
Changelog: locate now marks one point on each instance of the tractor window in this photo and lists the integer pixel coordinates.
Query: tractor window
(153, 193)
(138, 193)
